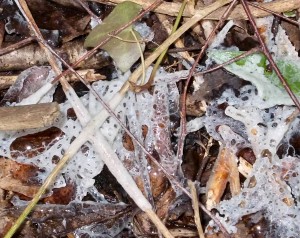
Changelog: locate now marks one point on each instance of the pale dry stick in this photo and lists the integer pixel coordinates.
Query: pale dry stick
(195, 204)
(32, 55)
(182, 131)
(269, 56)
(171, 8)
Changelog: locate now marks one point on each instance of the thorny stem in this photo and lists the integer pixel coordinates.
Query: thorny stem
(274, 13)
(268, 55)
(183, 132)
(17, 45)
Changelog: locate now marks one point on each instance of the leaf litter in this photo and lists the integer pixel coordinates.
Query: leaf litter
(238, 118)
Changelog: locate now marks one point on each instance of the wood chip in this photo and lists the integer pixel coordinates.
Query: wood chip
(29, 116)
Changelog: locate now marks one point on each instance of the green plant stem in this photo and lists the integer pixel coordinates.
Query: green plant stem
(141, 52)
(138, 88)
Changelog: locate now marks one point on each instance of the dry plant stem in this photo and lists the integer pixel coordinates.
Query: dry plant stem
(183, 132)
(170, 8)
(269, 56)
(181, 49)
(195, 204)
(274, 13)
(17, 45)
(33, 55)
(28, 117)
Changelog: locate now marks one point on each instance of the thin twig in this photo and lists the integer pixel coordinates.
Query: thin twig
(182, 49)
(183, 132)
(269, 56)
(17, 45)
(274, 13)
(243, 55)
(85, 6)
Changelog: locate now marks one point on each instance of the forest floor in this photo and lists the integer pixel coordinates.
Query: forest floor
(104, 136)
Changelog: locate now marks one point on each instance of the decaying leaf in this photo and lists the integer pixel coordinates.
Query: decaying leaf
(19, 178)
(99, 219)
(124, 50)
(225, 170)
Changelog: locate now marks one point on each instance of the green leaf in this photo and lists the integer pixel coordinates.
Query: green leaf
(124, 53)
(253, 69)
(290, 13)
